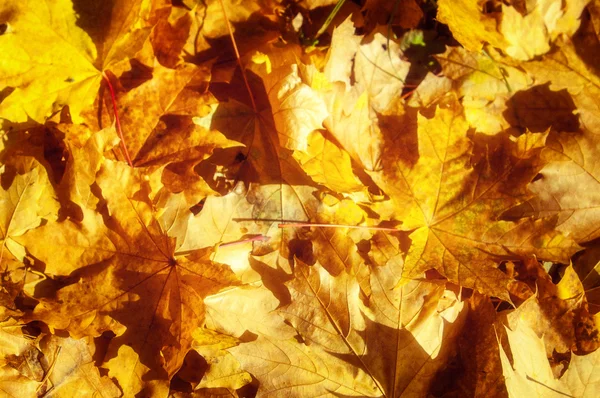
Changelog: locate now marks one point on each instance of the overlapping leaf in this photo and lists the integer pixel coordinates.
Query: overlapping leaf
(293, 224)
(131, 280)
(54, 62)
(453, 203)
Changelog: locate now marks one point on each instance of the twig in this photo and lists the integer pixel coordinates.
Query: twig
(329, 19)
(117, 121)
(308, 224)
(258, 238)
(237, 55)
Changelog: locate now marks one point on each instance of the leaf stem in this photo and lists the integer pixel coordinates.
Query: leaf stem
(308, 224)
(329, 19)
(237, 55)
(117, 120)
(258, 238)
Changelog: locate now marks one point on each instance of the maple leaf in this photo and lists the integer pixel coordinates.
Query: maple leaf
(133, 376)
(157, 115)
(282, 192)
(469, 25)
(485, 85)
(21, 207)
(224, 371)
(307, 370)
(378, 12)
(431, 90)
(378, 71)
(564, 68)
(20, 372)
(478, 352)
(201, 29)
(297, 110)
(328, 164)
(552, 311)
(522, 33)
(452, 204)
(132, 281)
(531, 373)
(529, 33)
(24, 205)
(86, 155)
(71, 369)
(236, 311)
(298, 219)
(54, 62)
(399, 324)
(571, 165)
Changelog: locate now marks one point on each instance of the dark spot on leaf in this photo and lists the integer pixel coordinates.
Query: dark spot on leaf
(69, 79)
(3, 28)
(384, 46)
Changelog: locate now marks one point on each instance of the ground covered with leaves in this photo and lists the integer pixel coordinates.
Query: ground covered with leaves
(300, 198)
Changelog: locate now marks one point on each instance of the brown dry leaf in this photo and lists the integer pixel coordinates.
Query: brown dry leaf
(71, 370)
(571, 164)
(253, 23)
(132, 282)
(565, 68)
(404, 327)
(530, 33)
(484, 85)
(587, 267)
(24, 205)
(375, 65)
(571, 157)
(478, 353)
(453, 205)
(530, 375)
(293, 369)
(404, 13)
(553, 312)
(224, 370)
(469, 25)
(155, 117)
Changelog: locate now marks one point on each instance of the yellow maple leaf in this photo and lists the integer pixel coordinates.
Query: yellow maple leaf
(71, 369)
(54, 62)
(471, 27)
(531, 374)
(485, 85)
(305, 370)
(531, 33)
(23, 205)
(452, 204)
(572, 164)
(131, 280)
